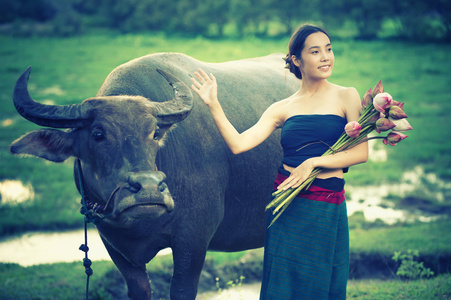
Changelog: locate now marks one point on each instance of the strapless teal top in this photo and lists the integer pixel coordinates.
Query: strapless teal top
(306, 136)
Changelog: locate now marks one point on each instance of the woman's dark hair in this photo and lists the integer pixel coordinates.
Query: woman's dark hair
(296, 45)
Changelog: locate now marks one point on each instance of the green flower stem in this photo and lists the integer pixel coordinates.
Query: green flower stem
(367, 115)
(287, 195)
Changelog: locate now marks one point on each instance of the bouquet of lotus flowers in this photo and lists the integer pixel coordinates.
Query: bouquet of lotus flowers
(379, 113)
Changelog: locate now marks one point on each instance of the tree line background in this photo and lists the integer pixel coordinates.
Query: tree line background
(363, 19)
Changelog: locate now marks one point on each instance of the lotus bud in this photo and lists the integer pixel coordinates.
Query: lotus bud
(384, 124)
(399, 104)
(353, 129)
(396, 113)
(393, 138)
(378, 89)
(401, 125)
(367, 98)
(375, 118)
(382, 101)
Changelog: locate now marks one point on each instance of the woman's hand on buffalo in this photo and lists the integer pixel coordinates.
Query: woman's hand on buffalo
(205, 86)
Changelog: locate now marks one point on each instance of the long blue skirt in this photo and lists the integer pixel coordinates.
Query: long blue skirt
(307, 250)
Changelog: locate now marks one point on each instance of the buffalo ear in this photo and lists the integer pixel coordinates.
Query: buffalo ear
(50, 144)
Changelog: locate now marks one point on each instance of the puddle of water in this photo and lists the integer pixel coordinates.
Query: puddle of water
(47, 248)
(372, 212)
(14, 192)
(370, 199)
(376, 152)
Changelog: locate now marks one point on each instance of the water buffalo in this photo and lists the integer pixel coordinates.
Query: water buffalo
(156, 165)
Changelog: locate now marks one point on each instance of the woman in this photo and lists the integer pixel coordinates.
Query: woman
(307, 248)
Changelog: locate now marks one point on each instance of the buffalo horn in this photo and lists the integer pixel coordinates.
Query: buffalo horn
(56, 116)
(177, 109)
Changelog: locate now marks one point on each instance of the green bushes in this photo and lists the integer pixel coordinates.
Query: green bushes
(414, 20)
(409, 268)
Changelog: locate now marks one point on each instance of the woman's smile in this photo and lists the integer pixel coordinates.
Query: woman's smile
(324, 67)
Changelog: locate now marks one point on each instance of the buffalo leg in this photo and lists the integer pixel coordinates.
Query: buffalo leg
(187, 268)
(136, 277)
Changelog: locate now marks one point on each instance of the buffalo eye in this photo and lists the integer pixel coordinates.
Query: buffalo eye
(98, 135)
(156, 135)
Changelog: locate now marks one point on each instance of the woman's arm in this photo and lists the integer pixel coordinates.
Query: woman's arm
(339, 160)
(206, 88)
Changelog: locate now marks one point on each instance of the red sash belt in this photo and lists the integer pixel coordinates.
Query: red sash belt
(314, 192)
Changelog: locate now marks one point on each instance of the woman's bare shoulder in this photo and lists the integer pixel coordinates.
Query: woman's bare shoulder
(350, 101)
(349, 95)
(278, 110)
(344, 91)
(282, 104)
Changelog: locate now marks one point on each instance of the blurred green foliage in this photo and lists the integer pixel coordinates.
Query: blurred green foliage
(411, 19)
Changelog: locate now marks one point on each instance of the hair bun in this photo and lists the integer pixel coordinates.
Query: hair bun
(288, 61)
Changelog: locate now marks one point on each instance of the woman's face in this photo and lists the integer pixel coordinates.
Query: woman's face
(317, 57)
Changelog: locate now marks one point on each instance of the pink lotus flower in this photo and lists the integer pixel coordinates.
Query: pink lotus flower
(393, 138)
(382, 101)
(401, 125)
(353, 129)
(396, 113)
(384, 124)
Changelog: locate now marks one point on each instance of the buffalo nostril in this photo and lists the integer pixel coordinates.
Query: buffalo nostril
(162, 187)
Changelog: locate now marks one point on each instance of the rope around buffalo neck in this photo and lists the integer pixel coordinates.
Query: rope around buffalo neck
(90, 216)
(86, 261)
(84, 211)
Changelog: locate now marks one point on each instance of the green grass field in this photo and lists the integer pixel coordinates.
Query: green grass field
(69, 70)
(68, 281)
(72, 69)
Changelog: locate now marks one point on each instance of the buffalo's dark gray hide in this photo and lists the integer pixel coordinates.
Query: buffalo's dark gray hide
(152, 157)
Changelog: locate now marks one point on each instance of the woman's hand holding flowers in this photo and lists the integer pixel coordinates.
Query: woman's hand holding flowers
(298, 175)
